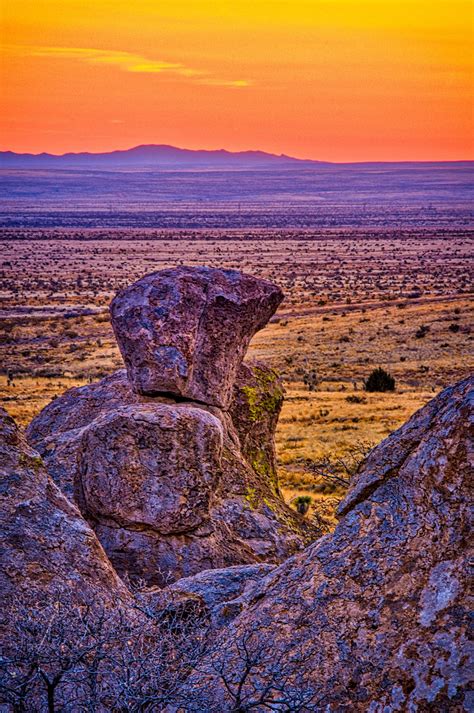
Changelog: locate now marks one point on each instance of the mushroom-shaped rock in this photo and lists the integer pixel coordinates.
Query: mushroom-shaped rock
(185, 331)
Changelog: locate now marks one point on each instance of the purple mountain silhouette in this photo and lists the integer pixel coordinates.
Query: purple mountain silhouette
(153, 156)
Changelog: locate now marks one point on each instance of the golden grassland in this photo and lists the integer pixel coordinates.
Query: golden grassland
(423, 339)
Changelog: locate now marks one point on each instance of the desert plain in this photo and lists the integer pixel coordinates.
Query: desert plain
(355, 300)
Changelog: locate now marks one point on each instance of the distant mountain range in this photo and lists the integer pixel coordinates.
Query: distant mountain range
(154, 156)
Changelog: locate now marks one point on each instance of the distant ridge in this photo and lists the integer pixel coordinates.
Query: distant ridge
(154, 156)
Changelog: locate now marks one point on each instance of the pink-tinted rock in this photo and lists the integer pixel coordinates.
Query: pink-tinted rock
(168, 502)
(185, 331)
(216, 594)
(152, 466)
(46, 544)
(375, 615)
(57, 430)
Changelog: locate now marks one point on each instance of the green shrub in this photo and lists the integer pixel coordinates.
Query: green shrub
(380, 380)
(302, 503)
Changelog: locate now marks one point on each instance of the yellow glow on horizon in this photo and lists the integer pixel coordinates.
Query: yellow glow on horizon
(329, 79)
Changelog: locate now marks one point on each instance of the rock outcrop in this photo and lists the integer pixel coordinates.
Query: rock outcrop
(374, 617)
(214, 594)
(46, 545)
(182, 492)
(185, 331)
(172, 485)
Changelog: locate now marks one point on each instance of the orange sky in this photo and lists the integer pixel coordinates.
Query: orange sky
(340, 80)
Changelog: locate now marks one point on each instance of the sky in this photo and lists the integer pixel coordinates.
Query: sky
(336, 80)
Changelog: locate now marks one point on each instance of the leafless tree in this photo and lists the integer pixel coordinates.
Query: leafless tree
(66, 656)
(251, 675)
(84, 657)
(340, 469)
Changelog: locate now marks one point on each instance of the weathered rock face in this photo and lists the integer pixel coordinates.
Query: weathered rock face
(173, 462)
(165, 485)
(185, 331)
(152, 466)
(46, 544)
(375, 614)
(214, 593)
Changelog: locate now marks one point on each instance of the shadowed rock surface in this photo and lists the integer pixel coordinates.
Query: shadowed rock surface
(185, 331)
(46, 544)
(381, 605)
(214, 593)
(165, 485)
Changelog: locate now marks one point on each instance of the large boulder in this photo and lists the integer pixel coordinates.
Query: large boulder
(172, 488)
(47, 545)
(151, 466)
(185, 331)
(373, 617)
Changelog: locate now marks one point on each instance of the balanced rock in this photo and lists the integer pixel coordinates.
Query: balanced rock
(373, 617)
(173, 462)
(47, 546)
(185, 331)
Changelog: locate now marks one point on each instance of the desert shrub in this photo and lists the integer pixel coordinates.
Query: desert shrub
(380, 380)
(302, 503)
(65, 655)
(311, 380)
(454, 328)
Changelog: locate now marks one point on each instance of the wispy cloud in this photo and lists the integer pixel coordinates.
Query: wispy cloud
(126, 62)
(225, 82)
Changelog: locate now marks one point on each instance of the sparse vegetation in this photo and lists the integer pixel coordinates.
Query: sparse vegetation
(380, 380)
(327, 410)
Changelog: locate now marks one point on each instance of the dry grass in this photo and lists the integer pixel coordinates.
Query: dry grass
(348, 309)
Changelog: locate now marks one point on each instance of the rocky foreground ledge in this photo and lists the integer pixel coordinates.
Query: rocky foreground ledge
(160, 486)
(374, 616)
